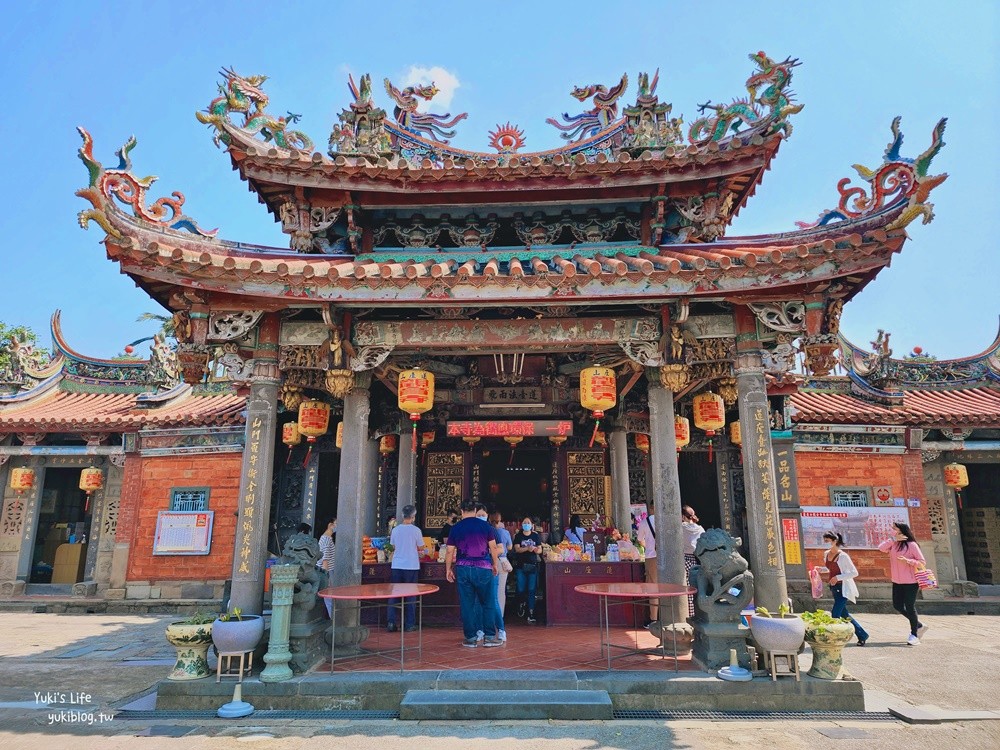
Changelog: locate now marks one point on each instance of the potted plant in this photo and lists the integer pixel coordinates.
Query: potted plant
(191, 638)
(237, 633)
(389, 550)
(827, 636)
(782, 632)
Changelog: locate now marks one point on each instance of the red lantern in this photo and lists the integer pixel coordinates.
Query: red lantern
(91, 480)
(415, 396)
(291, 437)
(314, 421)
(22, 480)
(957, 477)
(642, 442)
(598, 392)
(426, 438)
(682, 432)
(709, 415)
(387, 444)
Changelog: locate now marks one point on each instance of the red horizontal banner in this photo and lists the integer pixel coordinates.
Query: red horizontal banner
(511, 428)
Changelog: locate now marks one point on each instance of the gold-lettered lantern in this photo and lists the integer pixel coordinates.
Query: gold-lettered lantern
(557, 440)
(22, 480)
(291, 437)
(956, 476)
(314, 421)
(709, 415)
(598, 392)
(339, 440)
(642, 442)
(387, 444)
(682, 432)
(415, 396)
(735, 433)
(91, 480)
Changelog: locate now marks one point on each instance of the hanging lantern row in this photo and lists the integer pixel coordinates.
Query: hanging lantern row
(682, 432)
(91, 480)
(314, 421)
(22, 480)
(709, 415)
(415, 396)
(387, 445)
(956, 476)
(598, 392)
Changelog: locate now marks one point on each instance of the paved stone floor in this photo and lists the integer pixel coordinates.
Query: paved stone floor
(112, 659)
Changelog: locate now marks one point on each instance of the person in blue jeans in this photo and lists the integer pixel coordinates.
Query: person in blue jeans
(842, 574)
(472, 564)
(528, 551)
(408, 541)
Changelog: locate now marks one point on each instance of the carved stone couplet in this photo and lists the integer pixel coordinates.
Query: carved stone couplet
(786, 317)
(232, 325)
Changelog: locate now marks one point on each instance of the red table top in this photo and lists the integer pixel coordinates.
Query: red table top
(629, 590)
(378, 591)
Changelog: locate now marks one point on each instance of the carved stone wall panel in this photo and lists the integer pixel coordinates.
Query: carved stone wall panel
(444, 484)
(585, 484)
(637, 471)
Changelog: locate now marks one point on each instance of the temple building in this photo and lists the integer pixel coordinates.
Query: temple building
(504, 275)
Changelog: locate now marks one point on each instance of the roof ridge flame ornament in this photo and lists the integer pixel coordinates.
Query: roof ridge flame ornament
(775, 77)
(592, 121)
(121, 184)
(899, 180)
(421, 123)
(506, 139)
(244, 95)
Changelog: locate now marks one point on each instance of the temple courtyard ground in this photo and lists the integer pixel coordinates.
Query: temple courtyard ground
(107, 662)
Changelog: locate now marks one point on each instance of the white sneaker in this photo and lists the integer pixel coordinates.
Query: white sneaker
(479, 635)
(922, 630)
(913, 641)
(502, 635)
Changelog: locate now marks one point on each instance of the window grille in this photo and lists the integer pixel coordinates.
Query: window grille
(849, 497)
(189, 499)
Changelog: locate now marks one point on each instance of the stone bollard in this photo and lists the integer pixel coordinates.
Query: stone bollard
(283, 580)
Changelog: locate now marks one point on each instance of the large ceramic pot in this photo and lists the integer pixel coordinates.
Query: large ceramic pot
(783, 633)
(191, 642)
(827, 643)
(237, 636)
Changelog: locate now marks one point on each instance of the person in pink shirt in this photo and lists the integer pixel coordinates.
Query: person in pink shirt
(904, 558)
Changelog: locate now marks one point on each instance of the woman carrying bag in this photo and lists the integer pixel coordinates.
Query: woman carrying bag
(842, 574)
(905, 558)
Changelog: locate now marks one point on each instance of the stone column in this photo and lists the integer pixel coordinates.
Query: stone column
(406, 480)
(621, 494)
(370, 501)
(665, 492)
(355, 487)
(283, 580)
(766, 558)
(250, 551)
(32, 507)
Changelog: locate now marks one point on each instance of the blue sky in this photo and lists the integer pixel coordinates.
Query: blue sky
(120, 70)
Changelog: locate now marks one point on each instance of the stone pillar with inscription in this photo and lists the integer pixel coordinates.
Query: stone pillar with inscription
(766, 559)
(310, 487)
(620, 490)
(406, 481)
(253, 520)
(665, 494)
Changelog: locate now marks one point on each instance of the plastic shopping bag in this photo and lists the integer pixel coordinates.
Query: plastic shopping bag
(926, 578)
(817, 582)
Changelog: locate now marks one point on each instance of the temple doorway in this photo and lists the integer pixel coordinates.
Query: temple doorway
(980, 522)
(700, 487)
(517, 484)
(60, 550)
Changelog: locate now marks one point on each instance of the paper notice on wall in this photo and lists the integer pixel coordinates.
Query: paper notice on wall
(792, 543)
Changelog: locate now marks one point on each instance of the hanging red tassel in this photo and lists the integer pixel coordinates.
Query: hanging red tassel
(597, 425)
(415, 418)
(710, 450)
(308, 454)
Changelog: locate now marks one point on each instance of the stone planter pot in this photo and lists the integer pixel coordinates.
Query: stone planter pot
(191, 642)
(237, 636)
(778, 632)
(827, 643)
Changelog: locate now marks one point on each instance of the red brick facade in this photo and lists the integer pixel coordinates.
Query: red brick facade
(817, 472)
(157, 476)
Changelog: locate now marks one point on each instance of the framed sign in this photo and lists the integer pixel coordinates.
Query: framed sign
(183, 532)
(862, 528)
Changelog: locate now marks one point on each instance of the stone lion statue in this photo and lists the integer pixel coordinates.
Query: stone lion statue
(303, 550)
(724, 583)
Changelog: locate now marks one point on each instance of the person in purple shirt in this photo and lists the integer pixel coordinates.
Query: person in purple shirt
(472, 564)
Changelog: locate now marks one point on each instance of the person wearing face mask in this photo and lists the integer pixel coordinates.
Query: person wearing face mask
(528, 549)
(327, 546)
(442, 536)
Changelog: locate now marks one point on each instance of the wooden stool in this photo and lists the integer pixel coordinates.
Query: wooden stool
(225, 668)
(792, 669)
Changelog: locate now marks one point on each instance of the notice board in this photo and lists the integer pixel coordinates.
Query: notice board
(183, 533)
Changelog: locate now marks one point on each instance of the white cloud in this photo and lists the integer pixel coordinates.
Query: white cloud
(446, 82)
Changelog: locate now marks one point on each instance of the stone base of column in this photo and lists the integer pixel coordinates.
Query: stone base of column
(308, 644)
(277, 669)
(11, 588)
(713, 642)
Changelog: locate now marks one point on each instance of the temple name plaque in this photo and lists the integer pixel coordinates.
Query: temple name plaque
(183, 533)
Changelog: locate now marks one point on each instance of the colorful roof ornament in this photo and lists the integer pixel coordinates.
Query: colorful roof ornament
(897, 182)
(593, 121)
(506, 139)
(421, 123)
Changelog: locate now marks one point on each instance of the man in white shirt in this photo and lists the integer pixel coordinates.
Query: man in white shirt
(692, 531)
(408, 541)
(647, 538)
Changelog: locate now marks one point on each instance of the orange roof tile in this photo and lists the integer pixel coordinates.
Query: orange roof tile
(977, 407)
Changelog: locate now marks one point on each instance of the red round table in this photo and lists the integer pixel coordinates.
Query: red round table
(631, 593)
(378, 593)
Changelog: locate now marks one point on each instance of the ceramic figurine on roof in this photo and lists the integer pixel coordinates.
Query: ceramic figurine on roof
(244, 95)
(507, 139)
(898, 182)
(593, 121)
(421, 123)
(362, 127)
(649, 122)
(775, 78)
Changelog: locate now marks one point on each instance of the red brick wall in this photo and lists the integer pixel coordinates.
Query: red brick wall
(817, 472)
(158, 475)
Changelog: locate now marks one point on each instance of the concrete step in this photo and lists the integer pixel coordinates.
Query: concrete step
(461, 705)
